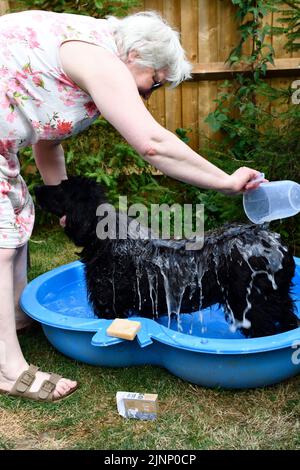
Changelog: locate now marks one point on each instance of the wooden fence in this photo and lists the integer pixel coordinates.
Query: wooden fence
(208, 33)
(4, 6)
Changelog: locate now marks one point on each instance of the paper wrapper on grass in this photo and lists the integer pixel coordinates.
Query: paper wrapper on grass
(142, 406)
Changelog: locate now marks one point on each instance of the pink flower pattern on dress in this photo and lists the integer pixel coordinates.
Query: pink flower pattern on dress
(91, 108)
(37, 99)
(5, 187)
(33, 85)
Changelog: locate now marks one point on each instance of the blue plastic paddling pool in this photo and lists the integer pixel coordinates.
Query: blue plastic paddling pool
(205, 352)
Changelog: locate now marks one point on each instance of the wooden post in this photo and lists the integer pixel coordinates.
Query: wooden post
(156, 103)
(173, 98)
(278, 43)
(208, 52)
(189, 40)
(4, 7)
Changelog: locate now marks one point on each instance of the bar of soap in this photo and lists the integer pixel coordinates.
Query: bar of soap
(125, 329)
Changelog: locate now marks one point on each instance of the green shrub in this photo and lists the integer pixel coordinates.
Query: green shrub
(97, 8)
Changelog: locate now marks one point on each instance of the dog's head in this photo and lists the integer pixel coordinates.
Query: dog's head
(77, 198)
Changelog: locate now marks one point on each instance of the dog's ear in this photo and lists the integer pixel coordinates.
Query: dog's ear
(51, 199)
(82, 198)
(80, 224)
(78, 199)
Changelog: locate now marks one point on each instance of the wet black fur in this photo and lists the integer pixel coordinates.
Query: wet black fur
(226, 283)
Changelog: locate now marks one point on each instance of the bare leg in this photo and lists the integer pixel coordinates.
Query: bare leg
(12, 361)
(20, 281)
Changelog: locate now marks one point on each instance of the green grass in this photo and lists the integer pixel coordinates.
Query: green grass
(190, 417)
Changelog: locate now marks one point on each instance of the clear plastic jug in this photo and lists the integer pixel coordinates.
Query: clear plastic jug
(272, 201)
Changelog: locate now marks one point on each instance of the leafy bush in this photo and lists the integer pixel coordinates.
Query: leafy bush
(97, 8)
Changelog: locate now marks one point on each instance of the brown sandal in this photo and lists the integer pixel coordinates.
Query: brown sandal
(45, 392)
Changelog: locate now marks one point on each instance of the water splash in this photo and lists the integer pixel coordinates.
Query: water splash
(181, 269)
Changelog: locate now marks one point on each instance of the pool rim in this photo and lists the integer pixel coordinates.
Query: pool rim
(153, 330)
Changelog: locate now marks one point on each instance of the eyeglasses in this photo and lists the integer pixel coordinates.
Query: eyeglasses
(156, 85)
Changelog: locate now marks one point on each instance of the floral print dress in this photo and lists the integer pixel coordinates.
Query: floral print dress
(38, 101)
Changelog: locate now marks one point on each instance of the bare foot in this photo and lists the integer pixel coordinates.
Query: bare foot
(63, 386)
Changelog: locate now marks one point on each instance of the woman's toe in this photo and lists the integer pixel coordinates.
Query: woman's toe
(63, 387)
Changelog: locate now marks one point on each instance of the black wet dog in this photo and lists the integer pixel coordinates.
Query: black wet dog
(245, 268)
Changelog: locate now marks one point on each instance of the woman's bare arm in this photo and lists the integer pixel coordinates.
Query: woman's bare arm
(113, 89)
(50, 161)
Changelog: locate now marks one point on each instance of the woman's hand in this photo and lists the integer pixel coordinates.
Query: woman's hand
(242, 180)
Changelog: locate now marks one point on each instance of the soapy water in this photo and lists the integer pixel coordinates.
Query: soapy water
(189, 273)
(72, 301)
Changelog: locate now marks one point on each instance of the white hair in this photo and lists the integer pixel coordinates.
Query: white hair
(157, 44)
